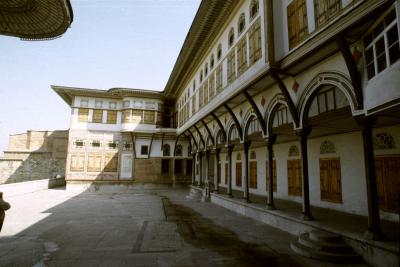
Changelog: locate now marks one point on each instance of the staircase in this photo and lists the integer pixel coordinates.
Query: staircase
(324, 246)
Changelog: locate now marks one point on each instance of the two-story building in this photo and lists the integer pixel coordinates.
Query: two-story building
(123, 136)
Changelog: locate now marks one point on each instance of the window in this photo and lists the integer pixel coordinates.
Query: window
(388, 179)
(231, 37)
(77, 162)
(111, 162)
(297, 22)
(201, 96)
(166, 150)
(255, 42)
(126, 116)
(127, 146)
(126, 104)
(382, 47)
(205, 92)
(253, 169)
(219, 52)
(112, 105)
(212, 61)
(137, 116)
(325, 10)
(238, 179)
(112, 116)
(144, 150)
(165, 166)
(97, 116)
(149, 117)
(206, 70)
(94, 162)
(241, 23)
(79, 144)
(178, 150)
(84, 103)
(112, 145)
(231, 66)
(178, 166)
(253, 9)
(218, 74)
(242, 55)
(95, 144)
(201, 75)
(83, 114)
(211, 88)
(98, 104)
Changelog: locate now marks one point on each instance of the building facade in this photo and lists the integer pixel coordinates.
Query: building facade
(123, 136)
(306, 92)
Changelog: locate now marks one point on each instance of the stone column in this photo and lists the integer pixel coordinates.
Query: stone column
(303, 134)
(207, 178)
(374, 230)
(270, 202)
(229, 189)
(193, 168)
(246, 147)
(217, 170)
(200, 168)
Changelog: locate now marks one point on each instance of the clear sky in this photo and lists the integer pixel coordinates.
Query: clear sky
(111, 43)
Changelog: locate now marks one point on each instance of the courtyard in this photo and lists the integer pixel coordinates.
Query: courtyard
(55, 227)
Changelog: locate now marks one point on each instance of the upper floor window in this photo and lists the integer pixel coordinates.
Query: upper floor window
(95, 144)
(112, 105)
(194, 85)
(84, 103)
(126, 104)
(206, 69)
(253, 9)
(241, 23)
(219, 52)
(79, 144)
(98, 104)
(97, 116)
(382, 45)
(231, 37)
(212, 61)
(112, 116)
(112, 145)
(201, 75)
(178, 150)
(297, 22)
(83, 115)
(166, 150)
(325, 10)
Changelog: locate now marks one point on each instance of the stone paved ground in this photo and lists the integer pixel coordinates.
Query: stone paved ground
(140, 228)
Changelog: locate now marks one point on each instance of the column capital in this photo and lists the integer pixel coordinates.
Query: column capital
(366, 121)
(303, 132)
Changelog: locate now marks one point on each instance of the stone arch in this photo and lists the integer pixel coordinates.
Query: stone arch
(209, 141)
(219, 138)
(231, 129)
(336, 79)
(166, 150)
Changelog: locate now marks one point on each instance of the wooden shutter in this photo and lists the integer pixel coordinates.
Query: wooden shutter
(111, 162)
(321, 12)
(94, 162)
(238, 174)
(77, 162)
(388, 182)
(292, 29)
(97, 116)
(330, 180)
(324, 179)
(253, 174)
(226, 173)
(336, 181)
(294, 177)
(301, 14)
(219, 79)
(83, 114)
(137, 116)
(112, 116)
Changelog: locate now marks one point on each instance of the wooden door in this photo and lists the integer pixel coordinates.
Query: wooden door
(294, 177)
(388, 182)
(238, 174)
(330, 180)
(253, 174)
(274, 180)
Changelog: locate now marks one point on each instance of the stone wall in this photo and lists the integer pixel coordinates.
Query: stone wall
(34, 156)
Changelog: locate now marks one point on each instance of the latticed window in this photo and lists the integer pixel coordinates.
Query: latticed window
(126, 116)
(325, 10)
(231, 66)
(201, 96)
(97, 116)
(382, 47)
(218, 74)
(112, 145)
(253, 9)
(205, 92)
(242, 55)
(149, 117)
(166, 150)
(178, 150)
(112, 116)
(211, 89)
(297, 22)
(212, 62)
(83, 115)
(159, 118)
(79, 144)
(111, 162)
(219, 52)
(96, 144)
(137, 116)
(255, 42)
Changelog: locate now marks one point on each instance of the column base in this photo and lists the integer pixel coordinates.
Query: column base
(307, 217)
(374, 235)
(271, 207)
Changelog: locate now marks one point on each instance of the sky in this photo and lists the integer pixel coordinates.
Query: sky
(111, 43)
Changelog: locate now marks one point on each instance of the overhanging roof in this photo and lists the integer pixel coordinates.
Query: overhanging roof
(68, 93)
(209, 19)
(35, 19)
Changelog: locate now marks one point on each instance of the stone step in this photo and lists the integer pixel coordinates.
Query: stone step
(324, 246)
(305, 239)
